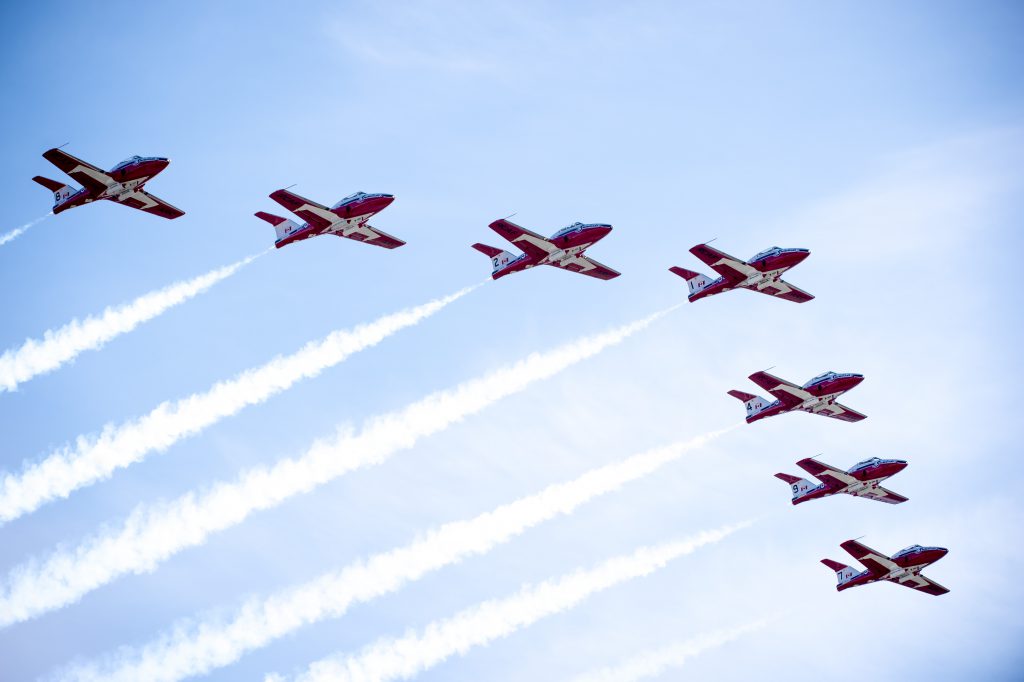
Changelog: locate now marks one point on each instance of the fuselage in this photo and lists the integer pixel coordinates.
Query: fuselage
(909, 562)
(769, 264)
(869, 474)
(571, 242)
(128, 176)
(351, 212)
(825, 389)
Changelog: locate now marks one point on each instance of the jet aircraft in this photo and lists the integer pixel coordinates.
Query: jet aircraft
(903, 568)
(817, 396)
(862, 480)
(762, 273)
(123, 183)
(563, 250)
(347, 218)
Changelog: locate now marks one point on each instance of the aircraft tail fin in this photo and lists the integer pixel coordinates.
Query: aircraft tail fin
(753, 403)
(844, 573)
(498, 257)
(695, 280)
(61, 192)
(799, 485)
(282, 226)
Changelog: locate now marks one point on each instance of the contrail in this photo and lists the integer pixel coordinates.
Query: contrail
(94, 458)
(153, 533)
(58, 346)
(18, 231)
(199, 646)
(390, 659)
(654, 663)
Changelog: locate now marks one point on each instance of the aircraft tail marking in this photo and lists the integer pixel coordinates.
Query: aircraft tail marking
(800, 486)
(695, 280)
(498, 257)
(844, 573)
(282, 226)
(61, 192)
(753, 403)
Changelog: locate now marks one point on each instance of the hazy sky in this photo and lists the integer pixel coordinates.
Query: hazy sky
(885, 138)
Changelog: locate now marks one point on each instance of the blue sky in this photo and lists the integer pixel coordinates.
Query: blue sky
(885, 139)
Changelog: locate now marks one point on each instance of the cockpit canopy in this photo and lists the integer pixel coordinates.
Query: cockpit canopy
(127, 162)
(820, 378)
(568, 229)
(349, 199)
(909, 550)
(767, 252)
(865, 464)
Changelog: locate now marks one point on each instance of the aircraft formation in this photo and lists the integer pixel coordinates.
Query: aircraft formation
(566, 249)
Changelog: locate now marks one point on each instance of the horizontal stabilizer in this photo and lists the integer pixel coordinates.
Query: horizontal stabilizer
(49, 184)
(489, 251)
(834, 565)
(789, 478)
(745, 397)
(683, 272)
(270, 218)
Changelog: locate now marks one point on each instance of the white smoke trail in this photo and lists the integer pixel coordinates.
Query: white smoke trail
(199, 646)
(153, 533)
(95, 458)
(654, 663)
(58, 346)
(18, 231)
(389, 659)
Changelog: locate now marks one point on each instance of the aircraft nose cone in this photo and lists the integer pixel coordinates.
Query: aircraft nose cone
(899, 465)
(856, 379)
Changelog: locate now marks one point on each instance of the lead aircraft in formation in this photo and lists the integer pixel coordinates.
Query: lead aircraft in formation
(347, 218)
(817, 396)
(762, 273)
(123, 183)
(564, 249)
(903, 568)
(861, 480)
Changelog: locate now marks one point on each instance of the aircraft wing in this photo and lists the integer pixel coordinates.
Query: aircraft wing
(826, 472)
(881, 494)
(842, 413)
(784, 290)
(788, 393)
(85, 174)
(317, 215)
(144, 201)
(587, 266)
(879, 564)
(371, 235)
(922, 584)
(731, 268)
(532, 244)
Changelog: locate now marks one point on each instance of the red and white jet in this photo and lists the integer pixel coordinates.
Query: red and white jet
(903, 568)
(861, 480)
(123, 183)
(817, 396)
(762, 273)
(347, 218)
(563, 250)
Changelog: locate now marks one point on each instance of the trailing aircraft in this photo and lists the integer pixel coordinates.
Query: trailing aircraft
(903, 568)
(564, 249)
(762, 273)
(123, 183)
(861, 480)
(817, 396)
(347, 218)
